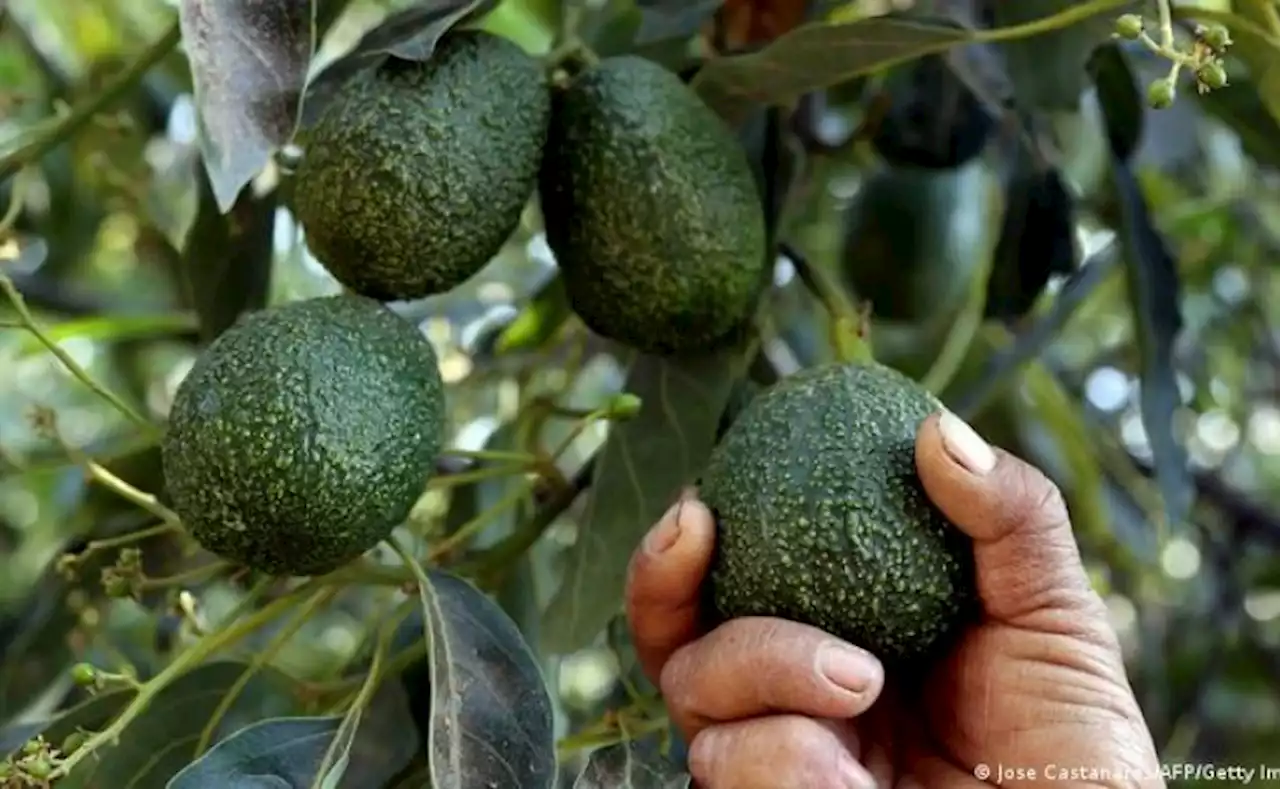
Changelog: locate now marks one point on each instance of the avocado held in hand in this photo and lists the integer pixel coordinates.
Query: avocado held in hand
(822, 519)
(417, 172)
(652, 211)
(304, 434)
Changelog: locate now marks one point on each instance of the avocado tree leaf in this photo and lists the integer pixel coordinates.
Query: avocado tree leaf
(822, 54)
(408, 34)
(632, 764)
(538, 321)
(161, 741)
(1239, 106)
(1048, 70)
(1124, 113)
(1037, 238)
(816, 56)
(662, 20)
(1154, 292)
(227, 256)
(640, 470)
(286, 753)
(491, 719)
(249, 62)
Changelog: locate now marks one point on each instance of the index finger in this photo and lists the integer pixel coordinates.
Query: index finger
(664, 583)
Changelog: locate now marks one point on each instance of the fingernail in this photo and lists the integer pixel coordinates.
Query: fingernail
(665, 533)
(855, 776)
(964, 445)
(847, 667)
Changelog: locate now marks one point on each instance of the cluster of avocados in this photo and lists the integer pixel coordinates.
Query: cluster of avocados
(305, 433)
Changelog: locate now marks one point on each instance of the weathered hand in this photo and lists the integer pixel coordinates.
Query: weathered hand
(1036, 688)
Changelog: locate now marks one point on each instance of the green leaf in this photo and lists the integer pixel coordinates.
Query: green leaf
(816, 56)
(111, 328)
(662, 20)
(1124, 110)
(287, 752)
(641, 468)
(249, 61)
(408, 34)
(631, 765)
(162, 740)
(1239, 105)
(1049, 70)
(491, 719)
(226, 262)
(90, 715)
(1154, 292)
(539, 321)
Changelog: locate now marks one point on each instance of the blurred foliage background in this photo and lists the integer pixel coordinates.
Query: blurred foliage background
(125, 261)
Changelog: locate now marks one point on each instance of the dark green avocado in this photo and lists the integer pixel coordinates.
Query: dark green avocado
(652, 211)
(417, 173)
(304, 434)
(822, 518)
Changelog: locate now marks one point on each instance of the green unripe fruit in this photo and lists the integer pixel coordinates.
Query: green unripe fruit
(823, 520)
(1129, 26)
(652, 211)
(38, 767)
(418, 172)
(1160, 94)
(1216, 37)
(1212, 75)
(84, 674)
(305, 434)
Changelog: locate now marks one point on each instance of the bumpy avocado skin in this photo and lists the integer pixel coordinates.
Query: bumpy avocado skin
(652, 211)
(822, 518)
(417, 173)
(304, 434)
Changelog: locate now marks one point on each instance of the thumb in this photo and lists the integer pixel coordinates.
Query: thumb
(1025, 554)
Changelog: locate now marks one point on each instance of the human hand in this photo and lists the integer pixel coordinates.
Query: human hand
(1037, 684)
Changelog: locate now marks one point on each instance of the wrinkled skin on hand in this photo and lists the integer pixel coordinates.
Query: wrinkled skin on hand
(1037, 685)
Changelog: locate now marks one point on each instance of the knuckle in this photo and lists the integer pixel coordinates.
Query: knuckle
(1037, 500)
(704, 756)
(674, 681)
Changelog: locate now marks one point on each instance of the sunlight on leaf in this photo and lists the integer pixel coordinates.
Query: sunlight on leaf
(642, 467)
(249, 61)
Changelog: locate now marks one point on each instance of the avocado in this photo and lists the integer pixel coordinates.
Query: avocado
(652, 211)
(822, 519)
(932, 119)
(914, 238)
(417, 173)
(304, 434)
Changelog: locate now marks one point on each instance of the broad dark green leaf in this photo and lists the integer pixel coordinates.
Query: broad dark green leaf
(641, 468)
(1239, 106)
(408, 34)
(1037, 238)
(492, 722)
(662, 20)
(816, 56)
(249, 61)
(1155, 293)
(287, 752)
(226, 260)
(1049, 70)
(631, 765)
(1123, 107)
(162, 740)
